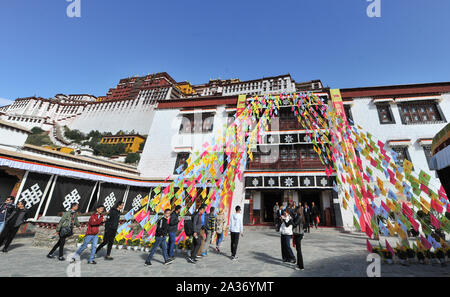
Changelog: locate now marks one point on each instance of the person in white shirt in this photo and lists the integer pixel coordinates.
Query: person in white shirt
(286, 234)
(236, 229)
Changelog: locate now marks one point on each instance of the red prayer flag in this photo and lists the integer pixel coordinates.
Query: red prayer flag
(389, 248)
(435, 222)
(369, 246)
(436, 206)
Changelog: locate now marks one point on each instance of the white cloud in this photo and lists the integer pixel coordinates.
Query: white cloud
(4, 101)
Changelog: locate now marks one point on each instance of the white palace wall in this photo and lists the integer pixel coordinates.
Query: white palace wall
(112, 119)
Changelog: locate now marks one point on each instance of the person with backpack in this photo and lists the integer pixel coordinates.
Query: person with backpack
(17, 218)
(196, 221)
(162, 230)
(298, 231)
(111, 225)
(64, 230)
(209, 230)
(94, 223)
(5, 210)
(173, 227)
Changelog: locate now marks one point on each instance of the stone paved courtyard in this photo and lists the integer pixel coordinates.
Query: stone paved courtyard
(326, 252)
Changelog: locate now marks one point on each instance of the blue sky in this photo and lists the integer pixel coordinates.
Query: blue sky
(43, 52)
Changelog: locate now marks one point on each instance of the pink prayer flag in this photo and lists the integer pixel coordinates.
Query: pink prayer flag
(425, 242)
(424, 188)
(129, 235)
(389, 248)
(386, 208)
(177, 240)
(180, 224)
(166, 190)
(435, 222)
(139, 236)
(152, 230)
(140, 216)
(442, 193)
(436, 206)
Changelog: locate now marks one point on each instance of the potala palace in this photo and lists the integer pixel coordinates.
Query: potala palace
(177, 118)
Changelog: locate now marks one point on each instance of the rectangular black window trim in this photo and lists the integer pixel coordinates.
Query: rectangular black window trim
(403, 154)
(421, 113)
(348, 114)
(427, 151)
(385, 114)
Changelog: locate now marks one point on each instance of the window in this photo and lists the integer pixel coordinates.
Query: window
(420, 113)
(207, 122)
(230, 118)
(348, 114)
(427, 151)
(190, 123)
(307, 153)
(385, 114)
(181, 160)
(187, 123)
(403, 154)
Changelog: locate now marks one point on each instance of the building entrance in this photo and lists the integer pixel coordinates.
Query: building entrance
(269, 199)
(7, 184)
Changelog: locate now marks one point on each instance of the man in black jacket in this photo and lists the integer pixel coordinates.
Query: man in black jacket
(18, 217)
(314, 214)
(197, 226)
(161, 234)
(173, 226)
(111, 225)
(6, 209)
(307, 213)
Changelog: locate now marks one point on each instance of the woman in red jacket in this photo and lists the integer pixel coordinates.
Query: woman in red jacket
(95, 221)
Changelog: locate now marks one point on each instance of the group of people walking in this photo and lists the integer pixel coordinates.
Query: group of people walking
(201, 228)
(292, 222)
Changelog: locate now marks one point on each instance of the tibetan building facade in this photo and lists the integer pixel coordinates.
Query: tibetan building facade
(180, 117)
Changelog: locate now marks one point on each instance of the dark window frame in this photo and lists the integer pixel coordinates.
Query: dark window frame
(406, 152)
(420, 104)
(389, 111)
(181, 157)
(428, 156)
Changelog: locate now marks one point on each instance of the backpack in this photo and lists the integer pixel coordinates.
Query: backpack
(189, 226)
